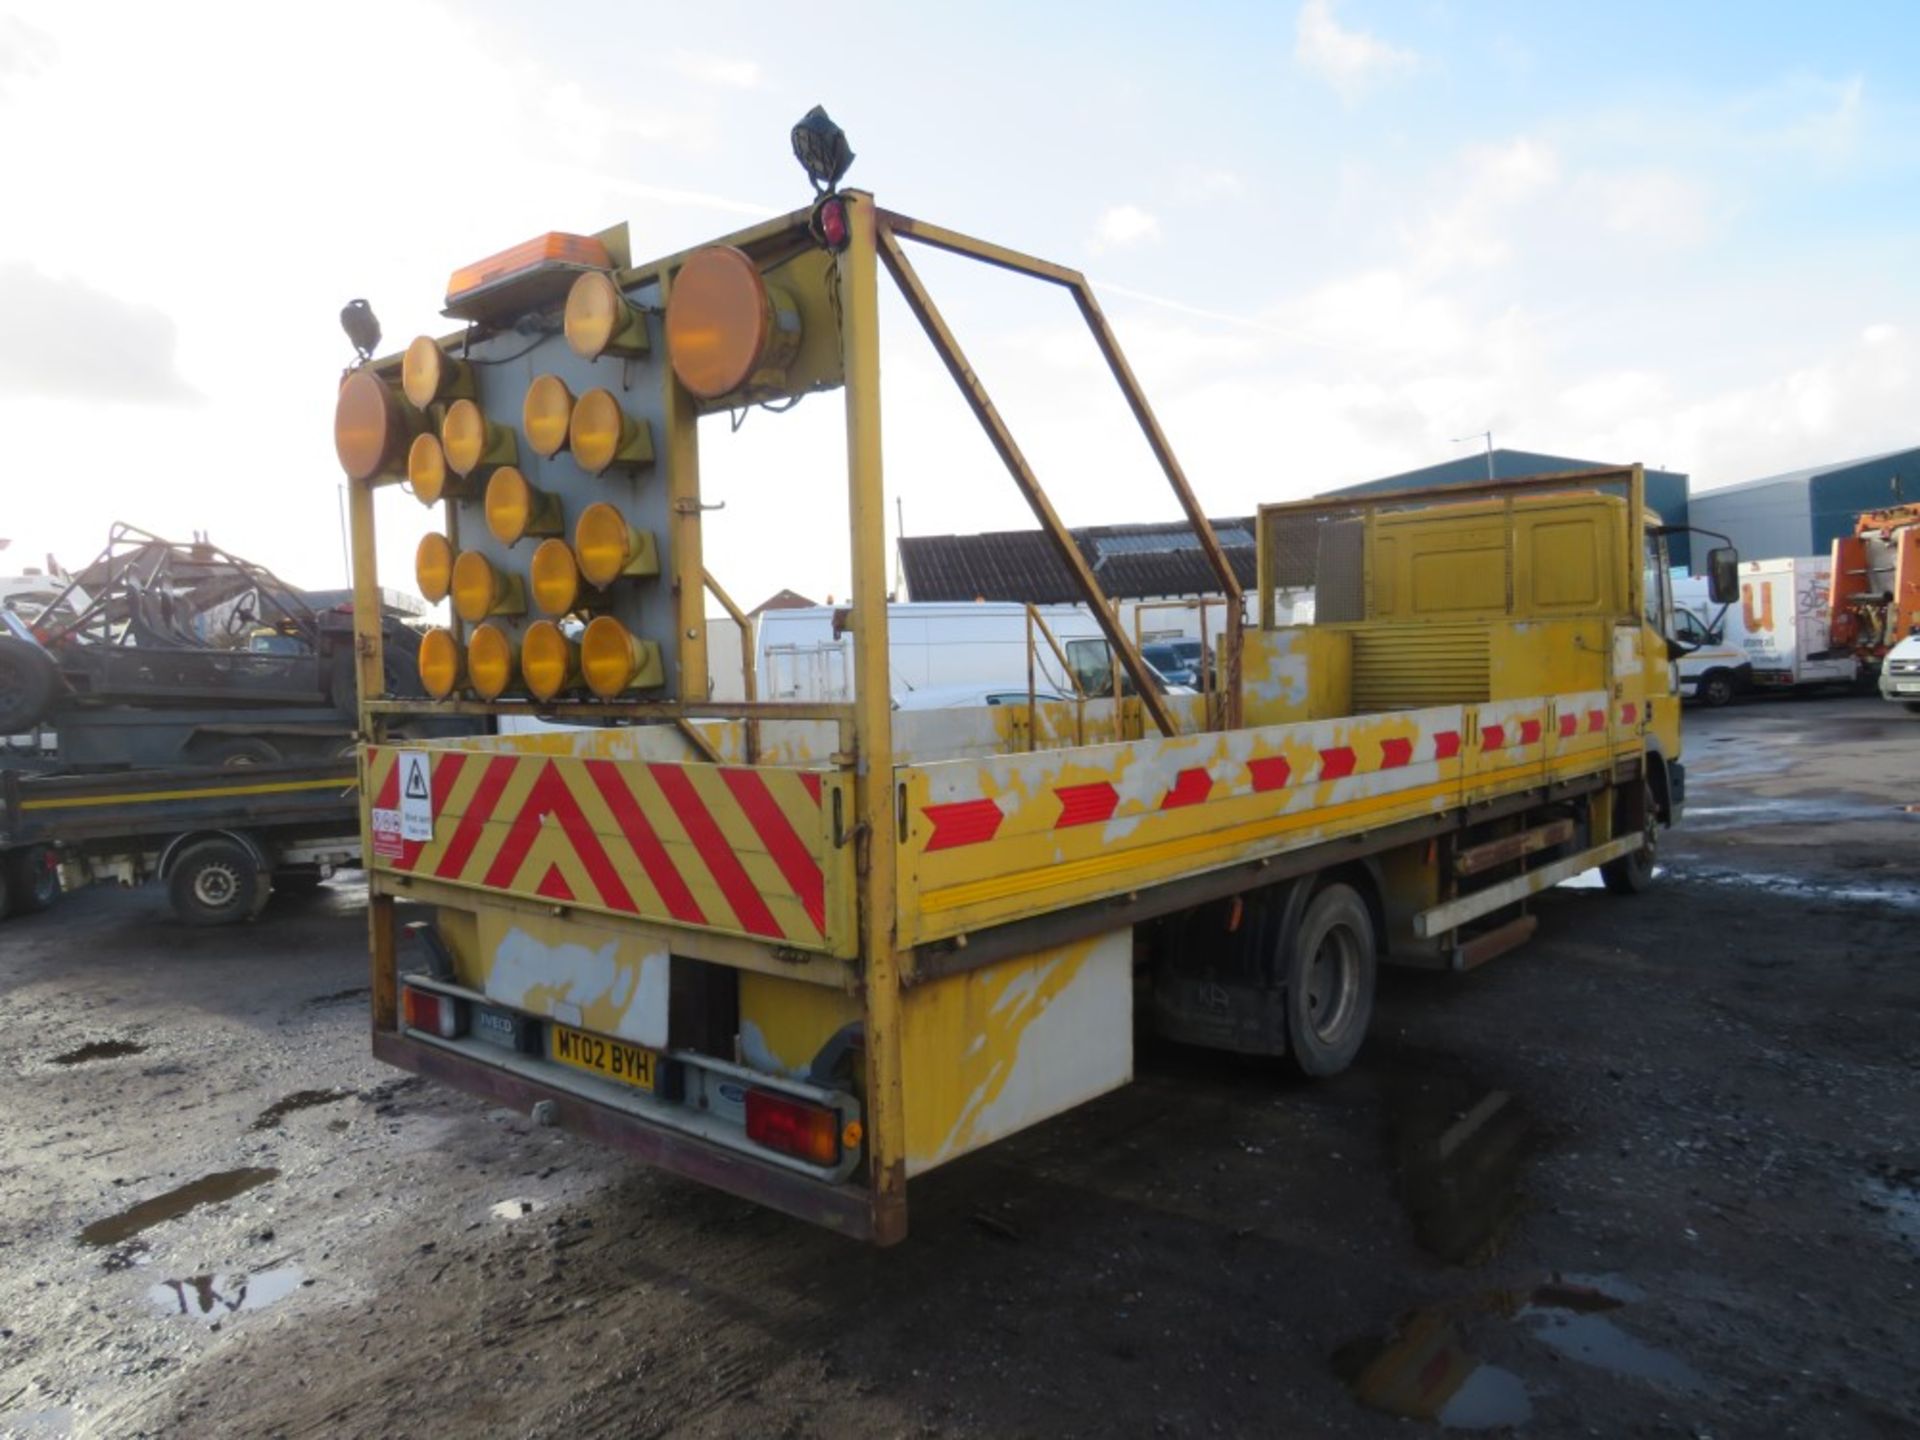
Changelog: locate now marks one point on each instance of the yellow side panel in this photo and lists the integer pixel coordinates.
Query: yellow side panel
(998, 1049)
(1564, 564)
(784, 1024)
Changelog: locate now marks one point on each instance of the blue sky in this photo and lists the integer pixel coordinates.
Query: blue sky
(1334, 235)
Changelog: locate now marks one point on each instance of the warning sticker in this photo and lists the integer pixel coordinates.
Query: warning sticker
(416, 796)
(388, 843)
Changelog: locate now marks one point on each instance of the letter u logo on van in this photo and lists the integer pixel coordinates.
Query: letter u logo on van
(1763, 621)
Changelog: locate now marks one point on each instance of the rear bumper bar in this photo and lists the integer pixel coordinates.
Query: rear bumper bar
(841, 1208)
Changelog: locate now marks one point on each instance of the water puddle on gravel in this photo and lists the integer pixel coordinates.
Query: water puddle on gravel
(516, 1209)
(208, 1190)
(1895, 1193)
(99, 1050)
(214, 1297)
(1457, 1150)
(298, 1100)
(1422, 1369)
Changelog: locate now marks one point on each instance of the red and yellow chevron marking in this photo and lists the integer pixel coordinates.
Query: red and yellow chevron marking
(991, 840)
(736, 848)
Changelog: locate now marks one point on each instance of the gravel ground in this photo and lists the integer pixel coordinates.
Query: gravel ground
(1657, 1174)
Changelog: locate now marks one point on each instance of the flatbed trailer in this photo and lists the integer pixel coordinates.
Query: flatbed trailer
(222, 839)
(806, 952)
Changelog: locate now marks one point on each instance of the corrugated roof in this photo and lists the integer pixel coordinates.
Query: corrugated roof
(1811, 472)
(1465, 469)
(1132, 562)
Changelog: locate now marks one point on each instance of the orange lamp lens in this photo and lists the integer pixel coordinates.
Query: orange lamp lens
(609, 657)
(476, 586)
(549, 661)
(719, 318)
(441, 665)
(490, 661)
(555, 578)
(509, 504)
(433, 567)
(427, 469)
(597, 430)
(603, 543)
(546, 414)
(368, 430)
(423, 371)
(596, 311)
(464, 434)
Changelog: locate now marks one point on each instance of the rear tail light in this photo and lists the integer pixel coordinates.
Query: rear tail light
(432, 1013)
(793, 1127)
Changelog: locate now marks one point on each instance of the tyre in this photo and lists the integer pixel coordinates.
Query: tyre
(1716, 689)
(1632, 874)
(1331, 968)
(239, 751)
(218, 882)
(33, 879)
(29, 684)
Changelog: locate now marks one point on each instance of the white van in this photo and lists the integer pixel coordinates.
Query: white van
(1714, 671)
(807, 654)
(1782, 623)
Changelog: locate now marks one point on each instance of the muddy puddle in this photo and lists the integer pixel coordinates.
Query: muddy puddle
(1427, 1368)
(1894, 1193)
(1457, 1150)
(99, 1050)
(208, 1190)
(299, 1100)
(214, 1297)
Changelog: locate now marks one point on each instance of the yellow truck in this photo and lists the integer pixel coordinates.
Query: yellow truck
(807, 953)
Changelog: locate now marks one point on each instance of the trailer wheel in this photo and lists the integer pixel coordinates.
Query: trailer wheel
(245, 750)
(32, 880)
(218, 882)
(1331, 966)
(29, 681)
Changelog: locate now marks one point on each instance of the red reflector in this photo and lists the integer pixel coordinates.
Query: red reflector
(793, 1127)
(435, 1014)
(833, 224)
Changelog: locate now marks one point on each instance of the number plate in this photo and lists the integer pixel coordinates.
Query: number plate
(1907, 687)
(611, 1059)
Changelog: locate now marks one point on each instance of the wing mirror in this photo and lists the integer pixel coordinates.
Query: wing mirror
(1723, 574)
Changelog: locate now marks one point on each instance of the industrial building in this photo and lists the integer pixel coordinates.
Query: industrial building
(1804, 511)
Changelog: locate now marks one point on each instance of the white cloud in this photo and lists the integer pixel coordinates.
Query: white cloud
(1349, 60)
(1122, 226)
(1475, 226)
(1654, 208)
(726, 71)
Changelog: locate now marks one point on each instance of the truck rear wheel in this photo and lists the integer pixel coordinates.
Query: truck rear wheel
(32, 879)
(1331, 967)
(218, 882)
